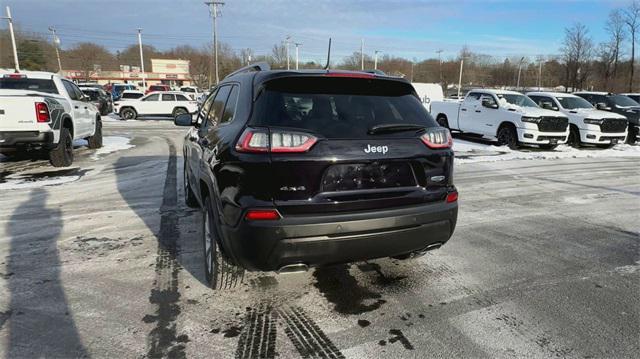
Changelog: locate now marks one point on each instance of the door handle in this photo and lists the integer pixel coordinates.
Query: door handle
(76, 107)
(86, 108)
(478, 111)
(463, 109)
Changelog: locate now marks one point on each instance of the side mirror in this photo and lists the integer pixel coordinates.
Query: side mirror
(184, 119)
(489, 104)
(602, 106)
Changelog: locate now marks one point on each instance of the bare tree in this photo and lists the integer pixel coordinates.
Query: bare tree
(279, 55)
(606, 54)
(632, 19)
(577, 50)
(617, 34)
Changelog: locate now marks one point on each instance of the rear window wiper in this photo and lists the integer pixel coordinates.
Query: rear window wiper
(394, 127)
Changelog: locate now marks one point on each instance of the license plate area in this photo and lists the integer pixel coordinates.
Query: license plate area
(363, 176)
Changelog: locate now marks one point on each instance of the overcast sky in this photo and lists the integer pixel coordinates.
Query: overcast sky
(413, 29)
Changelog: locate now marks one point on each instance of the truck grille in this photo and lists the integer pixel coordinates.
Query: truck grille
(553, 124)
(613, 125)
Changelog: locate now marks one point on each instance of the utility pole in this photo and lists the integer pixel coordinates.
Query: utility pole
(519, 71)
(56, 44)
(297, 44)
(13, 39)
(412, 63)
(439, 52)
(362, 54)
(213, 11)
(460, 78)
(375, 59)
(144, 83)
(287, 41)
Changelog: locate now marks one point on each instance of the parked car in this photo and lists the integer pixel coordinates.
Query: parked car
(156, 104)
(620, 104)
(366, 173)
(44, 111)
(508, 116)
(117, 89)
(158, 88)
(100, 98)
(129, 95)
(192, 91)
(587, 125)
(634, 96)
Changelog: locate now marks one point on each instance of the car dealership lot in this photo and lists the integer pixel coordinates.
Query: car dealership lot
(544, 263)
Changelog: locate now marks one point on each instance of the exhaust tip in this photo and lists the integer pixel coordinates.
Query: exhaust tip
(293, 268)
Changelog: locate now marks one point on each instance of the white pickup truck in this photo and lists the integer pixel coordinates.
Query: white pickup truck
(508, 116)
(587, 124)
(43, 112)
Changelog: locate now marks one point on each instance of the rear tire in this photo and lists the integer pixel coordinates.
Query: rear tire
(179, 111)
(219, 272)
(128, 113)
(507, 136)
(95, 141)
(62, 154)
(442, 121)
(189, 197)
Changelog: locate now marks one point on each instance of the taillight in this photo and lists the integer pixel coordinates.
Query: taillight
(257, 140)
(437, 137)
(262, 215)
(452, 197)
(42, 112)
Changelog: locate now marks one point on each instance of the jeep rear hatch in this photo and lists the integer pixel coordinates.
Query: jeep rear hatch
(344, 143)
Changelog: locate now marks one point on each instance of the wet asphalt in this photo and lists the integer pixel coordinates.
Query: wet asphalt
(544, 263)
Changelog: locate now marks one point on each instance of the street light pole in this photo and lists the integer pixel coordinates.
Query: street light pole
(519, 71)
(460, 78)
(144, 83)
(213, 10)
(540, 74)
(56, 43)
(439, 52)
(375, 59)
(13, 39)
(287, 41)
(297, 44)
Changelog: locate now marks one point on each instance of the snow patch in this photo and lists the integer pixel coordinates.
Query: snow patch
(112, 144)
(40, 179)
(471, 152)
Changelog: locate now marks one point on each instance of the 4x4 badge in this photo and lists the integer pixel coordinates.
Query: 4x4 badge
(376, 149)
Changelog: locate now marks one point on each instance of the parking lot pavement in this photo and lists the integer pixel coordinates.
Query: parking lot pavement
(544, 263)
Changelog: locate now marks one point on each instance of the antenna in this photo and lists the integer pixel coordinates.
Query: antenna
(328, 56)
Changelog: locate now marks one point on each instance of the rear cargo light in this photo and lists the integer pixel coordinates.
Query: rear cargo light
(452, 197)
(262, 215)
(437, 137)
(257, 140)
(42, 112)
(356, 75)
(15, 76)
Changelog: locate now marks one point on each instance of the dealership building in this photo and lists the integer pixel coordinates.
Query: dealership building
(163, 71)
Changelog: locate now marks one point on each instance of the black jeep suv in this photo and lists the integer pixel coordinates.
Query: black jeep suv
(295, 169)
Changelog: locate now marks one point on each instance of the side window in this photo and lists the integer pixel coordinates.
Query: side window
(70, 90)
(589, 98)
(474, 95)
(215, 113)
(153, 97)
(230, 107)
(181, 98)
(168, 97)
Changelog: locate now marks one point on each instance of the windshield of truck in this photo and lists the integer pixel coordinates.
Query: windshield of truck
(39, 85)
(572, 103)
(339, 107)
(623, 101)
(518, 100)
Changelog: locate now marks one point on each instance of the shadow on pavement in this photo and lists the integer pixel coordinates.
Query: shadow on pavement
(40, 321)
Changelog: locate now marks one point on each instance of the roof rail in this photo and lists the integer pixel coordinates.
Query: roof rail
(259, 66)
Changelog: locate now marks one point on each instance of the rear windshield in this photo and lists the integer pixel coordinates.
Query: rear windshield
(93, 95)
(157, 88)
(28, 84)
(132, 95)
(339, 107)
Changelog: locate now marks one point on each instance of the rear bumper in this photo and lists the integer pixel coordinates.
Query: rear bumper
(25, 138)
(322, 240)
